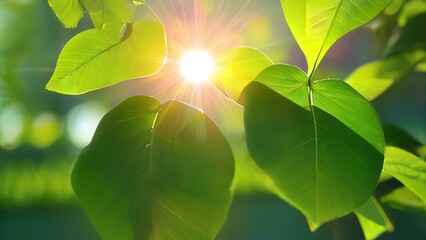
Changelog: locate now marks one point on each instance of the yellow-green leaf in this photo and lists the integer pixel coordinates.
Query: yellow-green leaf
(373, 219)
(374, 78)
(107, 11)
(69, 12)
(236, 68)
(318, 24)
(99, 58)
(407, 168)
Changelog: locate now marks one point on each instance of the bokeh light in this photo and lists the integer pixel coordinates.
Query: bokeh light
(12, 122)
(46, 128)
(82, 121)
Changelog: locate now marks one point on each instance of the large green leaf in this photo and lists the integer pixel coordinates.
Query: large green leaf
(374, 78)
(105, 11)
(101, 57)
(322, 145)
(236, 68)
(404, 199)
(69, 12)
(373, 219)
(155, 171)
(318, 24)
(407, 168)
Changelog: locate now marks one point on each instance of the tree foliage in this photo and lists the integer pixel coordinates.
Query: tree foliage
(165, 171)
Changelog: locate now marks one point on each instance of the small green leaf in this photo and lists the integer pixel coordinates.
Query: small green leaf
(374, 78)
(99, 58)
(404, 199)
(373, 219)
(322, 145)
(106, 11)
(69, 12)
(155, 171)
(318, 24)
(238, 67)
(407, 168)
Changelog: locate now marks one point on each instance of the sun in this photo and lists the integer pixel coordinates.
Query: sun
(196, 66)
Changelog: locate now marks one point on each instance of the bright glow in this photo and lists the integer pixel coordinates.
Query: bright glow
(196, 66)
(82, 121)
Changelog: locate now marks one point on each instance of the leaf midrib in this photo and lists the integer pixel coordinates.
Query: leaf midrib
(323, 42)
(155, 199)
(91, 58)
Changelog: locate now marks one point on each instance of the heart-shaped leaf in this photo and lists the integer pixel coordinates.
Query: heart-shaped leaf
(99, 58)
(155, 171)
(321, 143)
(318, 24)
(69, 12)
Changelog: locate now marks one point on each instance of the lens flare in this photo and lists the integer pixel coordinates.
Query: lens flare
(196, 66)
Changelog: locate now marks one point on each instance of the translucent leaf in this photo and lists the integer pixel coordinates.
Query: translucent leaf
(318, 24)
(373, 219)
(404, 199)
(106, 11)
(322, 145)
(98, 58)
(238, 67)
(407, 168)
(69, 12)
(374, 78)
(155, 171)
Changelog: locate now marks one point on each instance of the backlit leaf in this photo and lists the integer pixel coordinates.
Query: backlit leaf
(69, 12)
(238, 67)
(404, 199)
(155, 171)
(99, 58)
(407, 168)
(318, 24)
(321, 146)
(107, 11)
(374, 78)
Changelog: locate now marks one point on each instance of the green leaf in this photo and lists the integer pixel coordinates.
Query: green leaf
(155, 171)
(373, 219)
(325, 158)
(236, 68)
(374, 78)
(409, 37)
(410, 10)
(107, 11)
(69, 12)
(98, 58)
(407, 168)
(404, 199)
(318, 24)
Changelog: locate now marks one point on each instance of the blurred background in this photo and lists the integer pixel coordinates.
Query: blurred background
(41, 132)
